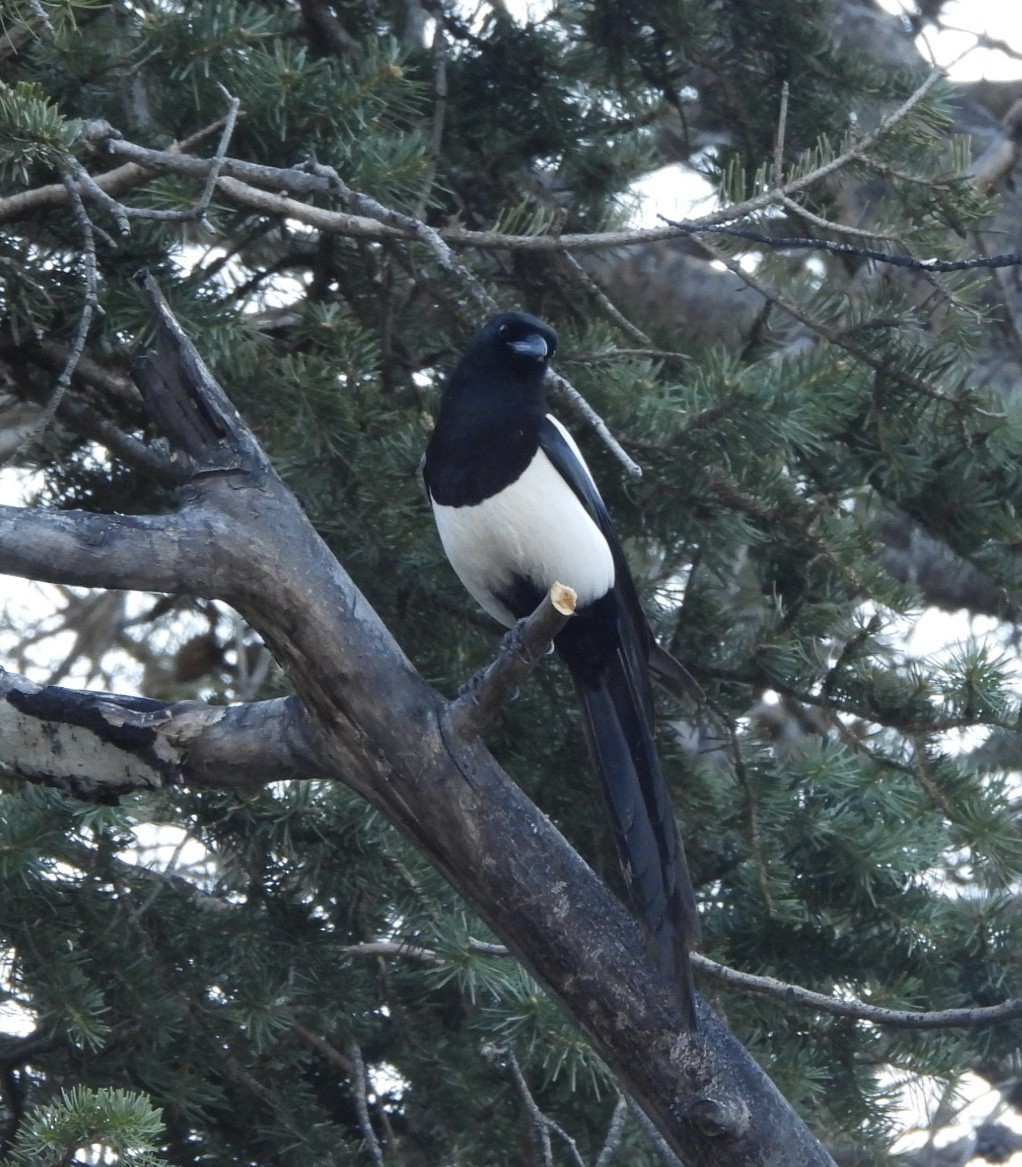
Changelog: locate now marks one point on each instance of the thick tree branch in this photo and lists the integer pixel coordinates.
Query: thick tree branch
(96, 746)
(380, 728)
(162, 553)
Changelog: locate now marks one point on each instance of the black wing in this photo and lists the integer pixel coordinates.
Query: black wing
(666, 670)
(608, 654)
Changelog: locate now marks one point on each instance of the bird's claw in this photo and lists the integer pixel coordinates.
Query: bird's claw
(467, 689)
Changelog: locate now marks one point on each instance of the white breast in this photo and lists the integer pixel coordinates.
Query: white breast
(535, 528)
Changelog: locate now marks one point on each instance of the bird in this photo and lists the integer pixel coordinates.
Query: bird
(517, 510)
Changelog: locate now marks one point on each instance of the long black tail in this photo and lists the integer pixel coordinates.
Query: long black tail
(617, 714)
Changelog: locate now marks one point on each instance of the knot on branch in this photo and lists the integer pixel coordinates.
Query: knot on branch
(720, 1118)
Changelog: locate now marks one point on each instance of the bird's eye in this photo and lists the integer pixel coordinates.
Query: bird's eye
(503, 330)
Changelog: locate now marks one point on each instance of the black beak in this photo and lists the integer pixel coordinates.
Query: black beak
(531, 346)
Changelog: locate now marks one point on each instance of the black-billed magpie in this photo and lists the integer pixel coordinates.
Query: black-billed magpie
(518, 510)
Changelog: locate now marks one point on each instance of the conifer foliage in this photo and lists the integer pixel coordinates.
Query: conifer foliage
(332, 197)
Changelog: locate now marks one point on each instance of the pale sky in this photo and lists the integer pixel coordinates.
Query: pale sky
(998, 19)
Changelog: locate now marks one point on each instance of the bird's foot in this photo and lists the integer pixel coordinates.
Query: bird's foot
(467, 689)
(511, 643)
(514, 641)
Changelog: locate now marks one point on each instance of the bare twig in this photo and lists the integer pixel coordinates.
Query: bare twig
(965, 1018)
(378, 222)
(360, 1088)
(416, 952)
(115, 182)
(540, 1123)
(230, 120)
(1010, 1010)
(543, 1125)
(669, 1158)
(592, 418)
(801, 243)
(782, 126)
(396, 948)
(122, 213)
(985, 41)
(616, 354)
(827, 224)
(363, 227)
(834, 336)
(523, 648)
(632, 331)
(330, 1052)
(90, 305)
(614, 1132)
(409, 225)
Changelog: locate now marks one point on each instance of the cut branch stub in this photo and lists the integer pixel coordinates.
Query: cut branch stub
(521, 650)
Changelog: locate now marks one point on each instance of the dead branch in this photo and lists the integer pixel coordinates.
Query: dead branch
(375, 724)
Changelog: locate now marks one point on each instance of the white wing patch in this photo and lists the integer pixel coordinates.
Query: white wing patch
(535, 528)
(573, 445)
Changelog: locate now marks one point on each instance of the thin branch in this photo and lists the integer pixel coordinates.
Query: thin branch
(614, 1132)
(522, 649)
(405, 951)
(670, 1159)
(782, 126)
(834, 336)
(132, 451)
(542, 1123)
(964, 1018)
(829, 224)
(751, 816)
(615, 354)
(119, 181)
(409, 226)
(230, 120)
(360, 1086)
(393, 225)
(1010, 1010)
(719, 222)
(331, 1053)
(801, 243)
(90, 306)
(984, 40)
(632, 331)
(122, 213)
(593, 419)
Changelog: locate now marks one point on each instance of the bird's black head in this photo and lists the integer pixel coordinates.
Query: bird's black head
(519, 339)
(487, 429)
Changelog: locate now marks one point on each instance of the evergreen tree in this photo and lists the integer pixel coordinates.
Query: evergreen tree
(332, 197)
